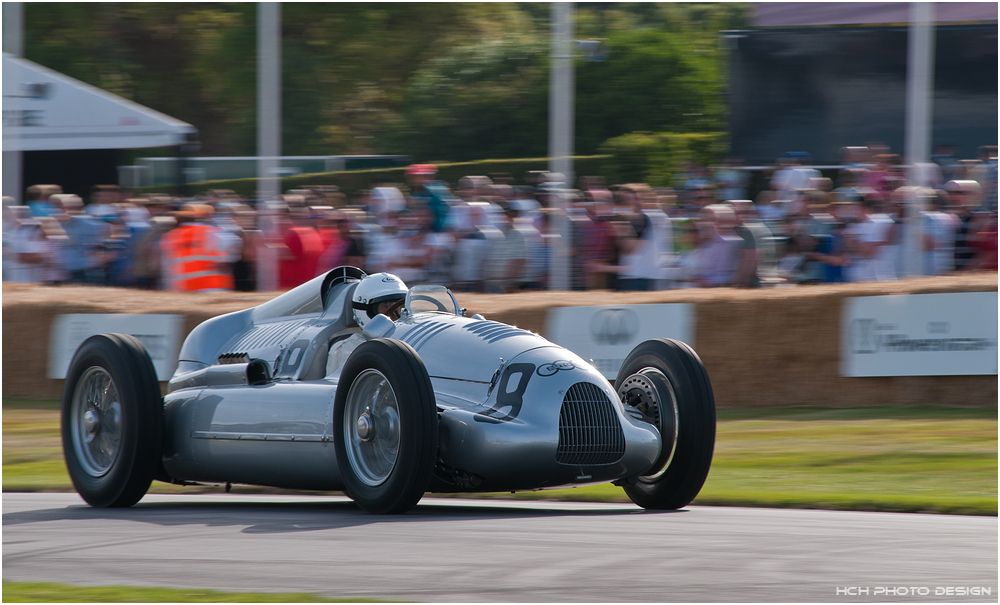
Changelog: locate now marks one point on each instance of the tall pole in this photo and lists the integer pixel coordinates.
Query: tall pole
(268, 98)
(268, 137)
(561, 135)
(919, 125)
(13, 43)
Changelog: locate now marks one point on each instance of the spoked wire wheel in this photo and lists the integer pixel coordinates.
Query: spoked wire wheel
(112, 420)
(371, 428)
(386, 426)
(97, 422)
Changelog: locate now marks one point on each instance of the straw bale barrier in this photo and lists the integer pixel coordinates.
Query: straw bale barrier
(774, 347)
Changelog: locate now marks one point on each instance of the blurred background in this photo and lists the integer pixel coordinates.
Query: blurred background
(437, 123)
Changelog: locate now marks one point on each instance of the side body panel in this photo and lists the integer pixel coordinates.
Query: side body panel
(277, 434)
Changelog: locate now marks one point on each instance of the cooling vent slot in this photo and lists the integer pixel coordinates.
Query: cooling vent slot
(229, 358)
(589, 432)
(492, 331)
(265, 335)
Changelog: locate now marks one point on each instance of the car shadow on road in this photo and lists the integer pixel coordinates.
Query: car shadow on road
(322, 515)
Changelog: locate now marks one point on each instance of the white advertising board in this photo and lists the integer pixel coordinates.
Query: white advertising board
(607, 334)
(160, 334)
(920, 335)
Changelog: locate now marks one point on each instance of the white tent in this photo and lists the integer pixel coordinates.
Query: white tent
(44, 110)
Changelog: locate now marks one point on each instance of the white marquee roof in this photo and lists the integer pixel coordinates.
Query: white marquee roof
(44, 110)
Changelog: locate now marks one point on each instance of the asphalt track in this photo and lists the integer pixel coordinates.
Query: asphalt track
(499, 551)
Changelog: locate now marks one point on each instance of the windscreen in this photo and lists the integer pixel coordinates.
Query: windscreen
(431, 299)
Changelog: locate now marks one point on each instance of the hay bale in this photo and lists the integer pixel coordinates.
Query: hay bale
(775, 347)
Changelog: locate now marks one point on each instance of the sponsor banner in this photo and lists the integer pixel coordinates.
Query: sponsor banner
(920, 335)
(606, 335)
(160, 334)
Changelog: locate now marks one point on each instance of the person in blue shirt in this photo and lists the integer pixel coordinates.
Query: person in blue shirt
(83, 255)
(434, 194)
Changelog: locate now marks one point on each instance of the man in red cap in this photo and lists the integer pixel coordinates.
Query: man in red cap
(424, 191)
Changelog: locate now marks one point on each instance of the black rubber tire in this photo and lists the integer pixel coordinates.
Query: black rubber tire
(123, 358)
(692, 453)
(407, 481)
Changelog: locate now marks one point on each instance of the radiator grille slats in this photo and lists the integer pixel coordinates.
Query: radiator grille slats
(589, 432)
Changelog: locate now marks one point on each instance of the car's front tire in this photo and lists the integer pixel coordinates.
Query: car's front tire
(112, 420)
(385, 427)
(666, 380)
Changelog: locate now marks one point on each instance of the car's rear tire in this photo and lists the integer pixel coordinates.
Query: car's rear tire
(666, 380)
(112, 420)
(385, 427)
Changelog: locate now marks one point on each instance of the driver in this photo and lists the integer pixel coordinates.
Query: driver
(378, 294)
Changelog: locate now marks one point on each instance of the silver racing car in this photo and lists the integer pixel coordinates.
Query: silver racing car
(356, 383)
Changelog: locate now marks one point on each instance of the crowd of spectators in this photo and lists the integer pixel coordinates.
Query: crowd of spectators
(485, 234)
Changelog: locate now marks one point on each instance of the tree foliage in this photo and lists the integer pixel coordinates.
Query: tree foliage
(438, 81)
(658, 158)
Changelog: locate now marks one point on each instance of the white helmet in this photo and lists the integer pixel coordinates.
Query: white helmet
(372, 291)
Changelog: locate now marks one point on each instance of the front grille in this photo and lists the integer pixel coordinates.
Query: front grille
(589, 432)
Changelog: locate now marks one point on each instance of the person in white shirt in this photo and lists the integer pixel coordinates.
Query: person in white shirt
(867, 237)
(939, 228)
(30, 250)
(640, 255)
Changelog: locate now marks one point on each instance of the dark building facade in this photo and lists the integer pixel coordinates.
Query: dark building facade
(818, 88)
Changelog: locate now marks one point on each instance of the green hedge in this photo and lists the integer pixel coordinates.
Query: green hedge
(656, 158)
(638, 157)
(351, 182)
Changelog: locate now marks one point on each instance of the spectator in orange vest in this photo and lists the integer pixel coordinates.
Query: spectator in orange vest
(194, 258)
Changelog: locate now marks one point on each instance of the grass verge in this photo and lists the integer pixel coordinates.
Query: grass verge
(48, 592)
(901, 459)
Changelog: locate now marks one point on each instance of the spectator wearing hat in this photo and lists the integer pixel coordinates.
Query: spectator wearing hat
(430, 193)
(385, 199)
(194, 258)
